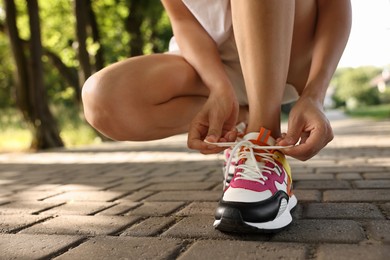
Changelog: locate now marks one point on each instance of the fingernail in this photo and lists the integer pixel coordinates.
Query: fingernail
(211, 138)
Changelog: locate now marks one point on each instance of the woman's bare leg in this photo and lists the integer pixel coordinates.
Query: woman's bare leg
(263, 31)
(144, 98)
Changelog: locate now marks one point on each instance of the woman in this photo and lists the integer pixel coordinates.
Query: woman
(233, 61)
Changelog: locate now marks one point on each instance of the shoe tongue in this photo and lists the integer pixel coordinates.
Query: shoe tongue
(261, 138)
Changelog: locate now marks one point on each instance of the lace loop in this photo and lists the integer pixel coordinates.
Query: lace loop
(252, 169)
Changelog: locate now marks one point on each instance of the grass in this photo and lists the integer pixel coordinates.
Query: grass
(15, 135)
(377, 112)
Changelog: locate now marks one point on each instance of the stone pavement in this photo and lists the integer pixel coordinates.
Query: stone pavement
(156, 200)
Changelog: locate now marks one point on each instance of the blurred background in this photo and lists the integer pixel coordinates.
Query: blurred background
(49, 48)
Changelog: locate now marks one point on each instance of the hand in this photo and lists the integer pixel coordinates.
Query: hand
(307, 124)
(215, 122)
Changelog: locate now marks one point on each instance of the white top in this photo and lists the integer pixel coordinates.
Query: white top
(215, 17)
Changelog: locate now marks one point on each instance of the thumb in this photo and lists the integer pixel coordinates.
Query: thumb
(291, 137)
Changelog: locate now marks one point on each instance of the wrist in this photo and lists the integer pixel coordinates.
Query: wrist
(315, 91)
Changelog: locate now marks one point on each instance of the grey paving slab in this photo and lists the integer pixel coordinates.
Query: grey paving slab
(214, 249)
(357, 195)
(342, 211)
(14, 223)
(322, 231)
(379, 230)
(25, 246)
(78, 208)
(26, 207)
(149, 227)
(125, 248)
(156, 208)
(356, 252)
(82, 225)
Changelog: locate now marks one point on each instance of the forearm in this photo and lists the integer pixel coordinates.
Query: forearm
(332, 32)
(196, 46)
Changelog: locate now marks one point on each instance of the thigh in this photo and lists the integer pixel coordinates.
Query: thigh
(302, 43)
(152, 79)
(137, 98)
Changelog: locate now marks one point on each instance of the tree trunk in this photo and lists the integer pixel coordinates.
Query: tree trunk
(30, 92)
(99, 56)
(81, 31)
(21, 74)
(46, 131)
(133, 27)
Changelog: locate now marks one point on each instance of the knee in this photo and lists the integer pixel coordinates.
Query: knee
(106, 110)
(94, 102)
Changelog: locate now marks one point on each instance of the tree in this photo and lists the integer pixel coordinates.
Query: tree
(30, 91)
(352, 86)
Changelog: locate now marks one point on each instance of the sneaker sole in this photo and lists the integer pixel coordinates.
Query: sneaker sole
(232, 221)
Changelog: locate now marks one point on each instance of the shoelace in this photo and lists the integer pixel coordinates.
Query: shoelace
(251, 171)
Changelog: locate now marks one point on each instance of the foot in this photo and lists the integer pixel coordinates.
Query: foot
(259, 197)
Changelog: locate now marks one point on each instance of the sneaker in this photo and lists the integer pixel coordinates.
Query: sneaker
(259, 197)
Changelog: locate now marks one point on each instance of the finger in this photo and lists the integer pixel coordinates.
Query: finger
(292, 136)
(215, 128)
(310, 144)
(196, 134)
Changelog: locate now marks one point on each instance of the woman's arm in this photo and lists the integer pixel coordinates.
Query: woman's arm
(196, 45)
(307, 121)
(332, 32)
(219, 114)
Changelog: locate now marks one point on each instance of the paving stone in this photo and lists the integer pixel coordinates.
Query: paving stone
(82, 225)
(149, 227)
(386, 210)
(120, 209)
(78, 208)
(24, 246)
(311, 176)
(4, 201)
(372, 184)
(356, 195)
(321, 185)
(349, 176)
(342, 211)
(322, 231)
(201, 226)
(186, 179)
(78, 187)
(13, 223)
(356, 252)
(33, 195)
(137, 196)
(376, 176)
(186, 196)
(198, 208)
(26, 207)
(127, 187)
(379, 230)
(214, 249)
(177, 186)
(87, 196)
(308, 195)
(156, 209)
(125, 248)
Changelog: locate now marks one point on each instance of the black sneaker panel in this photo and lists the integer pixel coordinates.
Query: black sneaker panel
(256, 212)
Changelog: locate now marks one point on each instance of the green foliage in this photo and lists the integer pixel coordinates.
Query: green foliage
(6, 74)
(377, 112)
(352, 86)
